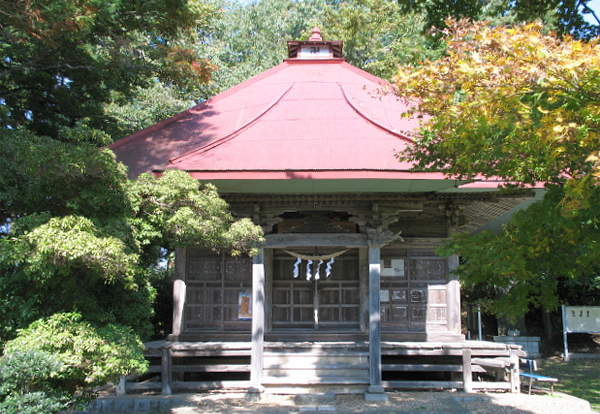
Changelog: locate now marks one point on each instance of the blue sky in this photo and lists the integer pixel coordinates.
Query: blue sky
(595, 6)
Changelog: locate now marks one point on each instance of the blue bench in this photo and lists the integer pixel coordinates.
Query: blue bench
(531, 366)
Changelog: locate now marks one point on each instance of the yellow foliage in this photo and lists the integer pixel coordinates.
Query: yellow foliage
(539, 94)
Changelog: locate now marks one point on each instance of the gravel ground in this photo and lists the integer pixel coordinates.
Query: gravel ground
(399, 403)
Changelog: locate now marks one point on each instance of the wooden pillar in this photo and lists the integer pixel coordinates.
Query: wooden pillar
(454, 311)
(467, 371)
(268, 289)
(121, 388)
(166, 371)
(258, 322)
(375, 386)
(515, 380)
(363, 272)
(179, 292)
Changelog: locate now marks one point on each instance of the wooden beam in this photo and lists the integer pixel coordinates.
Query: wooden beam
(274, 241)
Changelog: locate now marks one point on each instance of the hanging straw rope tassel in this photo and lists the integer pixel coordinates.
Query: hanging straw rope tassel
(318, 272)
(310, 259)
(328, 268)
(297, 268)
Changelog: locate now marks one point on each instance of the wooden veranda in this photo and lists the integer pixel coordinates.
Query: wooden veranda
(338, 367)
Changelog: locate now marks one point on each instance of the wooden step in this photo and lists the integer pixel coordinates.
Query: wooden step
(300, 375)
(315, 381)
(316, 353)
(322, 366)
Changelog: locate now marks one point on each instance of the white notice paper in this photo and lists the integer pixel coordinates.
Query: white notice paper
(392, 267)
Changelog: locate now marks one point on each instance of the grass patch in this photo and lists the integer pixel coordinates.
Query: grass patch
(579, 378)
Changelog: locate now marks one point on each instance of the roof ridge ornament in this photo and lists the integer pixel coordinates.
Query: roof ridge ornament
(315, 48)
(316, 35)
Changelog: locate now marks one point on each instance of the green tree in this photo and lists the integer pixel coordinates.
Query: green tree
(251, 38)
(75, 233)
(83, 237)
(61, 60)
(510, 103)
(521, 106)
(378, 36)
(145, 107)
(565, 17)
(542, 258)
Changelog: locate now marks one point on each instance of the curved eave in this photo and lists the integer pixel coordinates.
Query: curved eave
(310, 181)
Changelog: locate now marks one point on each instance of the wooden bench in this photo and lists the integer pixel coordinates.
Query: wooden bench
(529, 367)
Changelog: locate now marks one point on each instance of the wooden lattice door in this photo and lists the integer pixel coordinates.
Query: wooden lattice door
(329, 303)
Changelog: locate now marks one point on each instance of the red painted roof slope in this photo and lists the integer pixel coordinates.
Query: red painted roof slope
(321, 116)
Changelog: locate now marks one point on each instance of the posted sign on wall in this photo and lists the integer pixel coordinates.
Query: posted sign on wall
(579, 319)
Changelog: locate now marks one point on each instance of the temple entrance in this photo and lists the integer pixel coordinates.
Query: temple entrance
(318, 295)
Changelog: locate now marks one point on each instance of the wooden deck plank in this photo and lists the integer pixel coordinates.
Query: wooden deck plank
(293, 366)
(422, 384)
(211, 368)
(209, 385)
(314, 381)
(423, 367)
(499, 385)
(315, 354)
(499, 363)
(141, 386)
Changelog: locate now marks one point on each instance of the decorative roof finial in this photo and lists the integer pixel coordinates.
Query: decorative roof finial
(316, 35)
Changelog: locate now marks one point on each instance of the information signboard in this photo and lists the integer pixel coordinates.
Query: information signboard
(579, 319)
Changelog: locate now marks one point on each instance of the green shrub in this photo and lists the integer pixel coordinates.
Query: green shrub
(78, 356)
(31, 403)
(26, 378)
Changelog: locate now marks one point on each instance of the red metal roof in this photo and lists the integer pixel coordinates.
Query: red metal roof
(311, 116)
